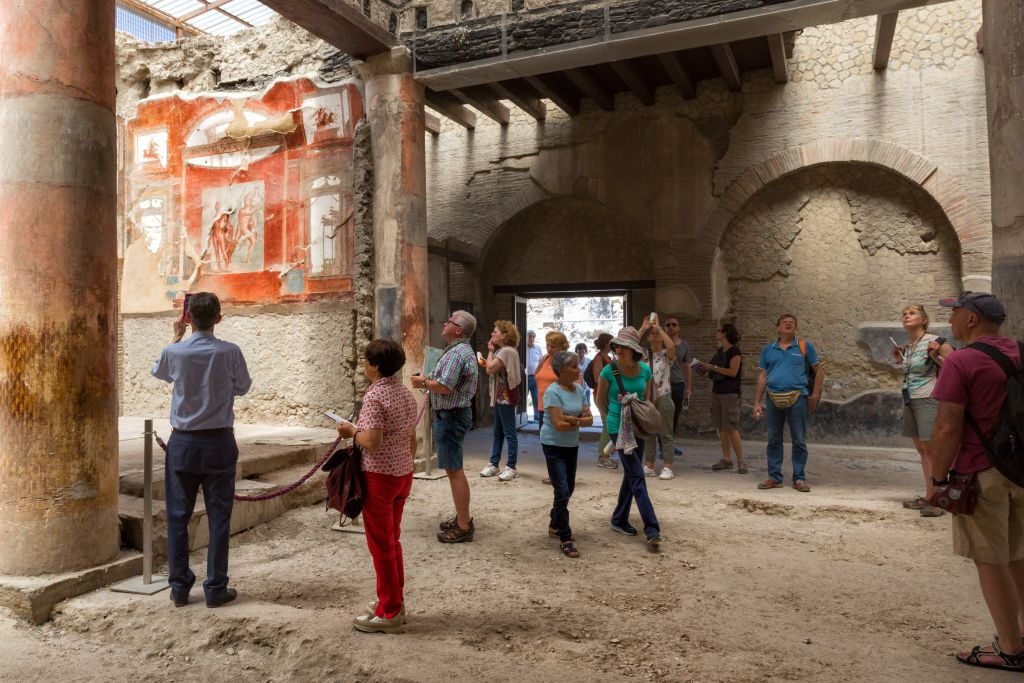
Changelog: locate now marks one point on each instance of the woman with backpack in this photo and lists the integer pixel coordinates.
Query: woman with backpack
(920, 360)
(502, 366)
(386, 434)
(590, 377)
(624, 381)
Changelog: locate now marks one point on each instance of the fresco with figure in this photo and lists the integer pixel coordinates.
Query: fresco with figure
(248, 196)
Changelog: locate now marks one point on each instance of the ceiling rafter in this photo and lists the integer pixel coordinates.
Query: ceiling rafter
(162, 17)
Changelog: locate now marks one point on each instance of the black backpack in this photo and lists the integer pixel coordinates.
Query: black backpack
(588, 375)
(1004, 444)
(345, 483)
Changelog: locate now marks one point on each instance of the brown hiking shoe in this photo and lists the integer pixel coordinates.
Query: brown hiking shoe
(453, 523)
(456, 535)
(801, 486)
(769, 484)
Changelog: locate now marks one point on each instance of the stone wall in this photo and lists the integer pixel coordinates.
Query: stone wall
(680, 173)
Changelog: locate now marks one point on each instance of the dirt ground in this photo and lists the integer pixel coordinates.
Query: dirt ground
(841, 584)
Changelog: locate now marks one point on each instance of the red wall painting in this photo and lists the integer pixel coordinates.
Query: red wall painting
(247, 196)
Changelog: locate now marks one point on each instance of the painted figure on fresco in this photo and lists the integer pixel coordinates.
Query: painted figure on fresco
(152, 151)
(220, 238)
(245, 231)
(324, 118)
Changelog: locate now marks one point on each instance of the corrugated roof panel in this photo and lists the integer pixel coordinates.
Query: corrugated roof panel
(213, 21)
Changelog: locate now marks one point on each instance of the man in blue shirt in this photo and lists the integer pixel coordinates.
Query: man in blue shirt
(782, 370)
(207, 374)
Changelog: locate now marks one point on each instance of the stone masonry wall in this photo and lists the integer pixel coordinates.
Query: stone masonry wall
(665, 168)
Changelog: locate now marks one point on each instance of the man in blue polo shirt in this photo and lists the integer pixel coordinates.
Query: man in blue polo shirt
(782, 370)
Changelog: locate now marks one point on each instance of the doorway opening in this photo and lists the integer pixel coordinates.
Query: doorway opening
(581, 319)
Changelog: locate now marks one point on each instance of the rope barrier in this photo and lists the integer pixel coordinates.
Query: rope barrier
(304, 478)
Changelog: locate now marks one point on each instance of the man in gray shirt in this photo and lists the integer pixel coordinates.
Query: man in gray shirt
(207, 374)
(681, 375)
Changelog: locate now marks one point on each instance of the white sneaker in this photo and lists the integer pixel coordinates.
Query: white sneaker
(649, 471)
(489, 471)
(508, 475)
(666, 473)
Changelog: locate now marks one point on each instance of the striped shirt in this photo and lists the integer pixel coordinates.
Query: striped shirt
(457, 370)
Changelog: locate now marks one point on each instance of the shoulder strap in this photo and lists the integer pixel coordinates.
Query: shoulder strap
(998, 356)
(618, 377)
(803, 347)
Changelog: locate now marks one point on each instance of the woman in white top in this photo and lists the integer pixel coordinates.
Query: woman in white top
(506, 378)
(920, 360)
(660, 353)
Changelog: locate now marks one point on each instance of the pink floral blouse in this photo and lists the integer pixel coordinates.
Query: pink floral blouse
(390, 407)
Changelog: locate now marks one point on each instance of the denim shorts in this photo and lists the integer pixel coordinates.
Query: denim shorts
(450, 427)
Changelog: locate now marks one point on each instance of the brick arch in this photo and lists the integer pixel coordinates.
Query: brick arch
(489, 225)
(972, 230)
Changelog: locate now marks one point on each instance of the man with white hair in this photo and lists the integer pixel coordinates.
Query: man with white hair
(452, 386)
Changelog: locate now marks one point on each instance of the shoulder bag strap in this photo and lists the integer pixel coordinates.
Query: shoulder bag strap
(618, 378)
(998, 356)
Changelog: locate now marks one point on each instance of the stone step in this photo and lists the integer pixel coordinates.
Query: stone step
(244, 515)
(254, 460)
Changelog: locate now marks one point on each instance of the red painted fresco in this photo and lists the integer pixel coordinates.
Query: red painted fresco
(247, 196)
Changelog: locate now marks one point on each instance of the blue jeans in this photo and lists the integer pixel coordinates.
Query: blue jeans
(531, 385)
(796, 415)
(505, 428)
(634, 486)
(561, 461)
(450, 427)
(195, 460)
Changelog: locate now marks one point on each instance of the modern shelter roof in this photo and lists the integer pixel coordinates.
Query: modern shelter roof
(216, 17)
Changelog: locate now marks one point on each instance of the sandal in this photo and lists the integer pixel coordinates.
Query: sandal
(722, 464)
(917, 503)
(931, 511)
(569, 549)
(742, 469)
(456, 535)
(999, 659)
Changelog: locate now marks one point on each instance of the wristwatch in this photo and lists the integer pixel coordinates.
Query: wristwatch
(936, 482)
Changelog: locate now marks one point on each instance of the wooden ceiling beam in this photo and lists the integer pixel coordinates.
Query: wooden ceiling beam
(451, 107)
(338, 23)
(431, 123)
(780, 65)
(631, 74)
(485, 102)
(550, 88)
(593, 88)
(522, 96)
(672, 62)
(726, 62)
(885, 29)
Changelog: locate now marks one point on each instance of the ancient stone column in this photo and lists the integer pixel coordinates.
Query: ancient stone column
(1004, 86)
(394, 110)
(58, 268)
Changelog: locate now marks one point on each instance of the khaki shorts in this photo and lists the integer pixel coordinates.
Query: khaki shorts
(725, 411)
(919, 418)
(994, 534)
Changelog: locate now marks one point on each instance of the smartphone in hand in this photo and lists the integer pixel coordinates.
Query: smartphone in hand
(185, 317)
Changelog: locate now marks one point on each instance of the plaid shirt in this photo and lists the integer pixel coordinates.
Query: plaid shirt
(457, 371)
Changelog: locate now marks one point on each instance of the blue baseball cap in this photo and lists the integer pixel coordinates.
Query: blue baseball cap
(984, 304)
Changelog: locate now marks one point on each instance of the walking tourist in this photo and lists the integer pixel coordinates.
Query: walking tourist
(682, 373)
(533, 356)
(972, 390)
(207, 374)
(636, 383)
(726, 373)
(503, 367)
(785, 369)
(597, 364)
(661, 354)
(451, 388)
(386, 434)
(566, 411)
(921, 360)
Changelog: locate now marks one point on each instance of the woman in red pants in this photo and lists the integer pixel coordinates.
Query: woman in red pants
(386, 433)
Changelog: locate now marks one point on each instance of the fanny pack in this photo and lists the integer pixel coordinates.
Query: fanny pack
(784, 399)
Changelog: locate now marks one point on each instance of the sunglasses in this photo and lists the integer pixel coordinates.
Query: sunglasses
(671, 324)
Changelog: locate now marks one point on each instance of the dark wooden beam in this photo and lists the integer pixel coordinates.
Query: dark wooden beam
(550, 88)
(431, 123)
(484, 101)
(727, 65)
(672, 62)
(342, 25)
(779, 64)
(885, 29)
(522, 96)
(451, 107)
(592, 87)
(637, 81)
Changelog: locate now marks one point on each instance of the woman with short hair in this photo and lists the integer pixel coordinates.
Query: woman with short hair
(920, 360)
(555, 341)
(386, 434)
(637, 383)
(503, 369)
(567, 411)
(725, 370)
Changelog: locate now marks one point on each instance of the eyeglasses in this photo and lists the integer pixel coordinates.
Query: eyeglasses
(452, 322)
(671, 324)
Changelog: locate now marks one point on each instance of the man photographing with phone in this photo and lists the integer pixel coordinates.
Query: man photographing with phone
(207, 374)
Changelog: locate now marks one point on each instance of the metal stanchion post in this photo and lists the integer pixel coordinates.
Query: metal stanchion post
(146, 584)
